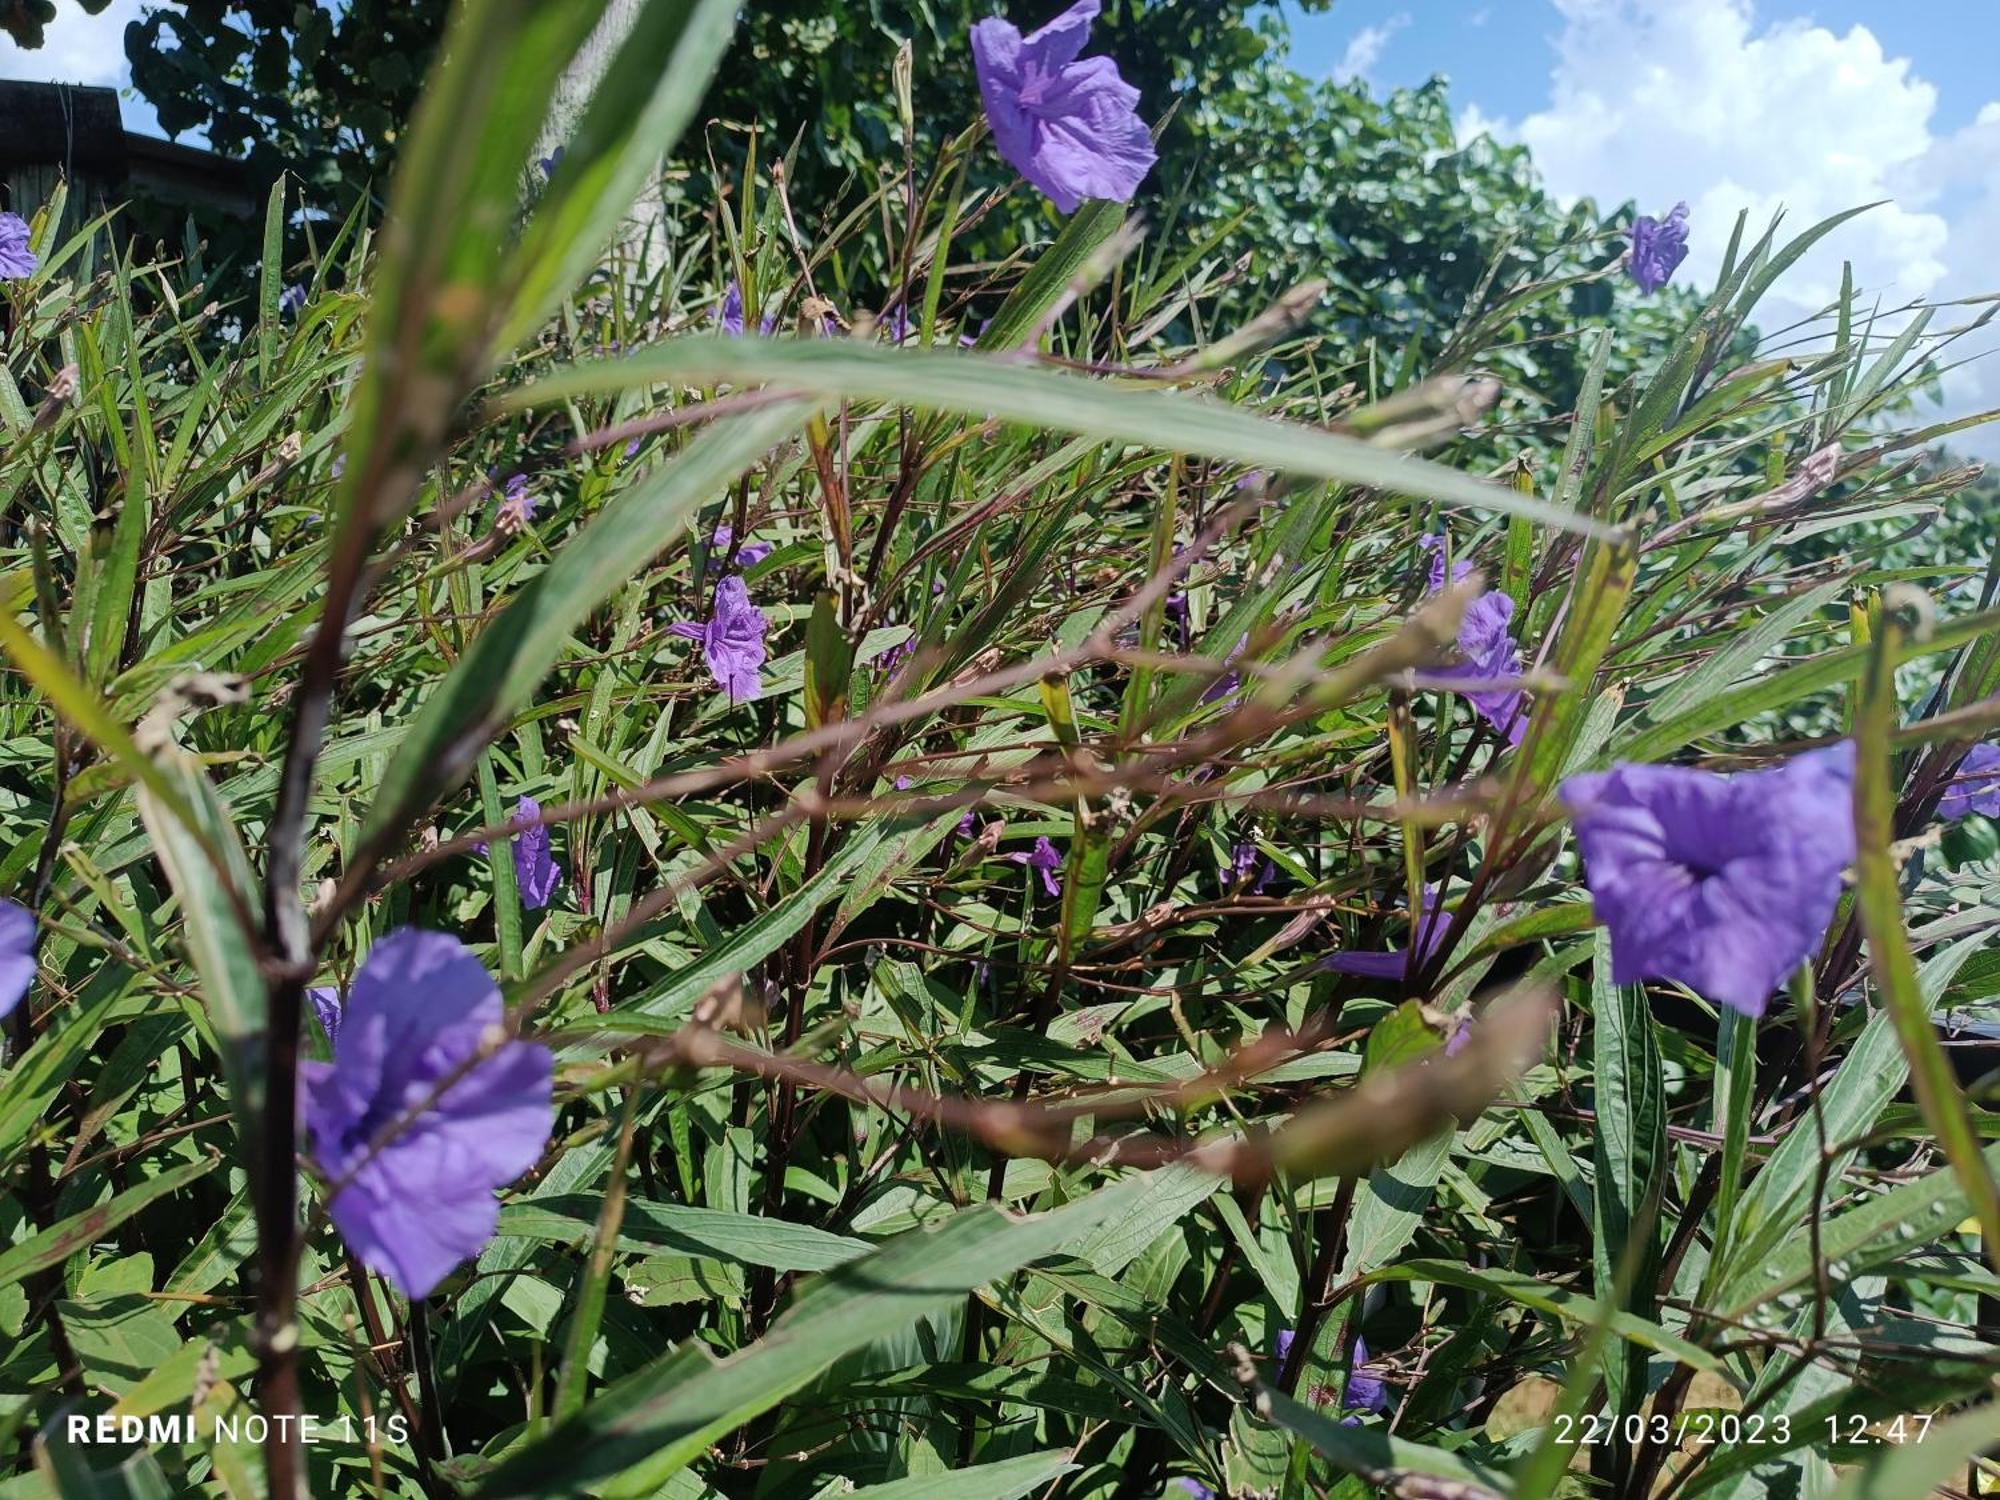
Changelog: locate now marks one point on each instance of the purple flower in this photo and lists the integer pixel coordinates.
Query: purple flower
(292, 300)
(17, 261)
(326, 1007)
(1658, 248)
(549, 163)
(1487, 643)
(751, 554)
(421, 1009)
(968, 826)
(536, 873)
(1365, 1391)
(730, 318)
(1723, 883)
(1071, 128)
(632, 448)
(17, 954)
(1247, 867)
(733, 640)
(517, 505)
(1195, 1488)
(890, 658)
(1975, 787)
(1461, 1033)
(1045, 858)
(1284, 1342)
(1397, 964)
(1437, 546)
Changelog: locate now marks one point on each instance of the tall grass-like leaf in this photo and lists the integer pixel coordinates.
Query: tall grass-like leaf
(61, 1240)
(943, 381)
(214, 899)
(1630, 1154)
(654, 1422)
(1928, 1462)
(1378, 1457)
(1879, 1231)
(1872, 1073)
(1008, 1479)
(637, 114)
(751, 943)
(1879, 907)
(437, 297)
(1054, 270)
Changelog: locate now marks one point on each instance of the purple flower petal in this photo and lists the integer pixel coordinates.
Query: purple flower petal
(1723, 883)
(1392, 965)
(1046, 859)
(1247, 867)
(17, 260)
(292, 301)
(1437, 547)
(1365, 1390)
(1461, 1033)
(748, 556)
(730, 318)
(1071, 128)
(536, 874)
(419, 1010)
(326, 1007)
(17, 954)
(732, 641)
(1395, 965)
(1229, 682)
(1658, 248)
(1975, 788)
(1486, 642)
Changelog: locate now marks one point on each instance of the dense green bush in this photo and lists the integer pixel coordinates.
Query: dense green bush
(951, 1093)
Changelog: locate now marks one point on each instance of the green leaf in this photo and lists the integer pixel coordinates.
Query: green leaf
(1375, 1455)
(1531, 1292)
(945, 381)
(216, 903)
(751, 943)
(1052, 273)
(650, 1228)
(666, 1415)
(1925, 1466)
(641, 106)
(61, 1240)
(1008, 1479)
(437, 299)
(1878, 907)
(1629, 1148)
(829, 660)
(271, 280)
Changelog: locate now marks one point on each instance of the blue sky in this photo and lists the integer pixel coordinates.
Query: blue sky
(1499, 53)
(1804, 106)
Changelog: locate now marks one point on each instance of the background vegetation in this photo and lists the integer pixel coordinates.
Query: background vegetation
(876, 1162)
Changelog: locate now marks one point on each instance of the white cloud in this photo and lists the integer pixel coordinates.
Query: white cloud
(1365, 48)
(1710, 102)
(83, 48)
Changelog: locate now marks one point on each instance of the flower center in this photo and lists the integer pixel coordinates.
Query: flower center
(1036, 81)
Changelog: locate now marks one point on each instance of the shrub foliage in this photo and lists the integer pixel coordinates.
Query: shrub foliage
(951, 1096)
